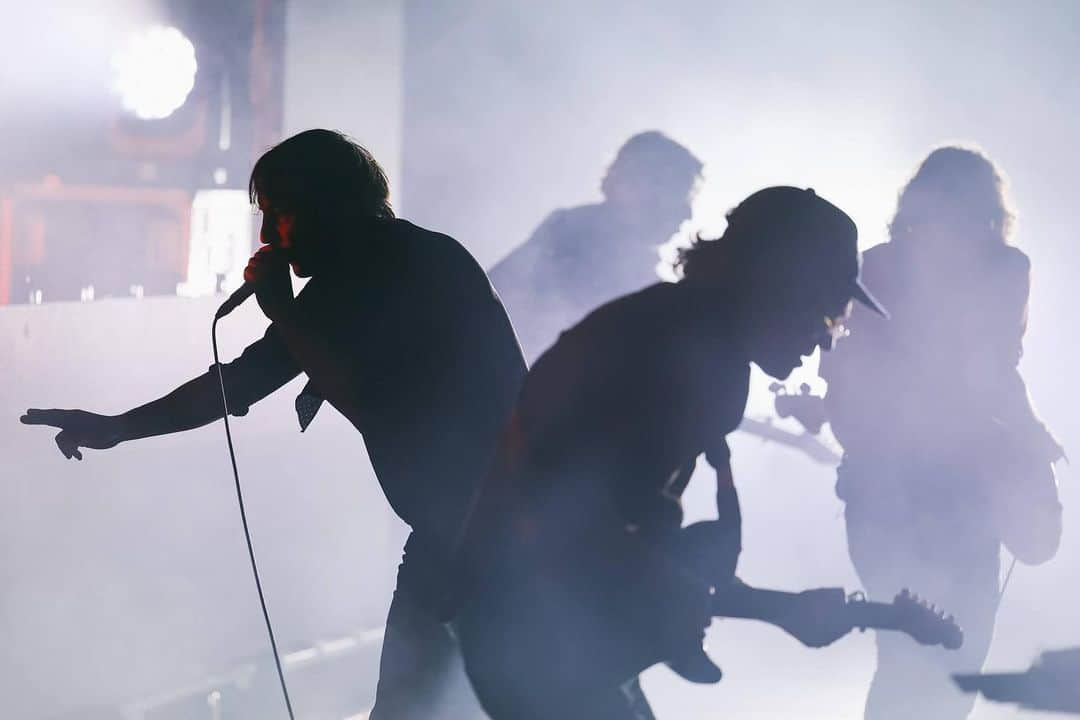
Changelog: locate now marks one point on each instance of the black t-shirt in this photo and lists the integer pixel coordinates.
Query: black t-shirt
(623, 404)
(434, 365)
(577, 259)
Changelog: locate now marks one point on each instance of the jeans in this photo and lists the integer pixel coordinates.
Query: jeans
(421, 672)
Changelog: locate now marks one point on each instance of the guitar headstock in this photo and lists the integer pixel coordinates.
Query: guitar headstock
(925, 623)
(804, 406)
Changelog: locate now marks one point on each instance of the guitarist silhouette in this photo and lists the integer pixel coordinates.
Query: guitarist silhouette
(580, 574)
(945, 460)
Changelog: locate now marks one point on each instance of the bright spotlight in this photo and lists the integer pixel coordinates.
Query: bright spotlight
(155, 72)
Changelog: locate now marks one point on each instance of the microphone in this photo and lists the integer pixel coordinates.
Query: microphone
(235, 300)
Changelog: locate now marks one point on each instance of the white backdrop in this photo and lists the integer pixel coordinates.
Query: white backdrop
(126, 574)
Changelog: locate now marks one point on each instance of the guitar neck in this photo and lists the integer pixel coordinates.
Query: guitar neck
(750, 603)
(801, 612)
(875, 615)
(813, 448)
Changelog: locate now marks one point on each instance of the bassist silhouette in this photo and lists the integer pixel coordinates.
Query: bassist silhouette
(945, 460)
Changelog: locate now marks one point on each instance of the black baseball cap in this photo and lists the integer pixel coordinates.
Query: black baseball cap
(805, 239)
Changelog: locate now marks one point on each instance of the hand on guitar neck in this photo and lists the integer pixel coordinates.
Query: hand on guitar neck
(813, 617)
(804, 406)
(818, 618)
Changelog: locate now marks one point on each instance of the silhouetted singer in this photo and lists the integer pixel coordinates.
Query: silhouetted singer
(400, 330)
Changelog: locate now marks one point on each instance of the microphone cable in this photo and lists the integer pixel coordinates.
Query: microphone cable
(243, 519)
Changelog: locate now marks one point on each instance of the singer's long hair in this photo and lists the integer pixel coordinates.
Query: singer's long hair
(329, 181)
(959, 190)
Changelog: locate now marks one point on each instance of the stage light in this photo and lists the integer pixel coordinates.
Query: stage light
(155, 73)
(220, 242)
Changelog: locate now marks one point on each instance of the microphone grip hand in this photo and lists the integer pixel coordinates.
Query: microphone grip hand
(267, 273)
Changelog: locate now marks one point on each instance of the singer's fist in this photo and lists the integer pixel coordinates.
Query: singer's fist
(268, 272)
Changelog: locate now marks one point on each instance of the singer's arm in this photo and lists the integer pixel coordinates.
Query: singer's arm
(310, 325)
(261, 369)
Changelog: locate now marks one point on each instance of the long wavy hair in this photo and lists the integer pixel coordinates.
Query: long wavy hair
(959, 189)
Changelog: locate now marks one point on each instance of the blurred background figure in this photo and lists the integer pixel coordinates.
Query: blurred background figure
(945, 460)
(1048, 685)
(583, 256)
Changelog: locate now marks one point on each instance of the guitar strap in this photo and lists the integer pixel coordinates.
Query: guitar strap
(1005, 582)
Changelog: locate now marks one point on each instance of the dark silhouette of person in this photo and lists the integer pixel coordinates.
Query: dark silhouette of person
(400, 330)
(566, 546)
(944, 457)
(581, 257)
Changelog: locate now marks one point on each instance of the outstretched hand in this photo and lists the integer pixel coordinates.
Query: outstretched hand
(78, 429)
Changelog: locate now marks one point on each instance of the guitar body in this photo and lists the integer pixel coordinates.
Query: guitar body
(565, 624)
(542, 645)
(557, 629)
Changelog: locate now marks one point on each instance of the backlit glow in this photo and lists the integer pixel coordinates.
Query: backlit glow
(155, 73)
